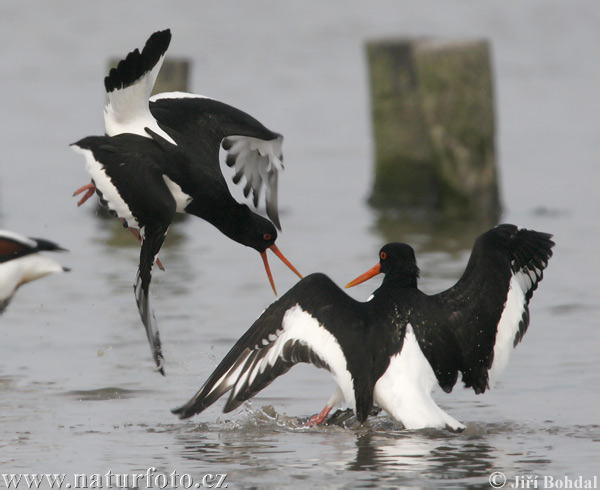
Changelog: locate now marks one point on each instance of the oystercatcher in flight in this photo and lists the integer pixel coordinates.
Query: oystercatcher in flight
(21, 262)
(161, 156)
(393, 349)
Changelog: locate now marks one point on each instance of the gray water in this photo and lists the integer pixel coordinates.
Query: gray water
(78, 392)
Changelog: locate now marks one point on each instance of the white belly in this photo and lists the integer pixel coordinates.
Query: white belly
(109, 191)
(404, 390)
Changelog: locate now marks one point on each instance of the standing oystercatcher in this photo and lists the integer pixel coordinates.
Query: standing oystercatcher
(21, 262)
(393, 349)
(165, 159)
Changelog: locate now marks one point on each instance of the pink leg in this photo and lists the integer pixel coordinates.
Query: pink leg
(136, 234)
(319, 419)
(89, 192)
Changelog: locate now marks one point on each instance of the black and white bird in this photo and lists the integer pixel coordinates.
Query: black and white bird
(160, 156)
(393, 349)
(21, 262)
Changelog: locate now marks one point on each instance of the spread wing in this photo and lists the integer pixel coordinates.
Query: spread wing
(129, 85)
(258, 162)
(488, 308)
(200, 126)
(288, 332)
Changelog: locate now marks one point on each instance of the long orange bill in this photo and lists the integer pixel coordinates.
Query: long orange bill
(268, 269)
(372, 272)
(277, 252)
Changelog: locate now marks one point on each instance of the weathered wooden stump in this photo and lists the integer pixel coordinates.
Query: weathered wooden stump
(434, 129)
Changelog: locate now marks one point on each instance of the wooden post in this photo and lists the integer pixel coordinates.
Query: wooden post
(173, 76)
(434, 129)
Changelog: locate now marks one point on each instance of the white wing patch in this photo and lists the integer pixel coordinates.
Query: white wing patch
(301, 326)
(404, 390)
(521, 283)
(258, 163)
(297, 326)
(128, 109)
(509, 325)
(109, 191)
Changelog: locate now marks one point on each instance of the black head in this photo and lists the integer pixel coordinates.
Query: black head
(259, 234)
(397, 261)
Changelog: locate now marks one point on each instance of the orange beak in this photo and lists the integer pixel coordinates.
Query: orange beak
(277, 252)
(372, 272)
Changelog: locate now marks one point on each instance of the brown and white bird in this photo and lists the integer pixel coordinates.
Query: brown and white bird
(21, 262)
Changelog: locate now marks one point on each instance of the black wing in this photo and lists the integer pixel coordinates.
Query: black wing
(201, 126)
(296, 328)
(487, 309)
(153, 237)
(136, 65)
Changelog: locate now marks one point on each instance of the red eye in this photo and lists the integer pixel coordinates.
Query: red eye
(382, 255)
(267, 236)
